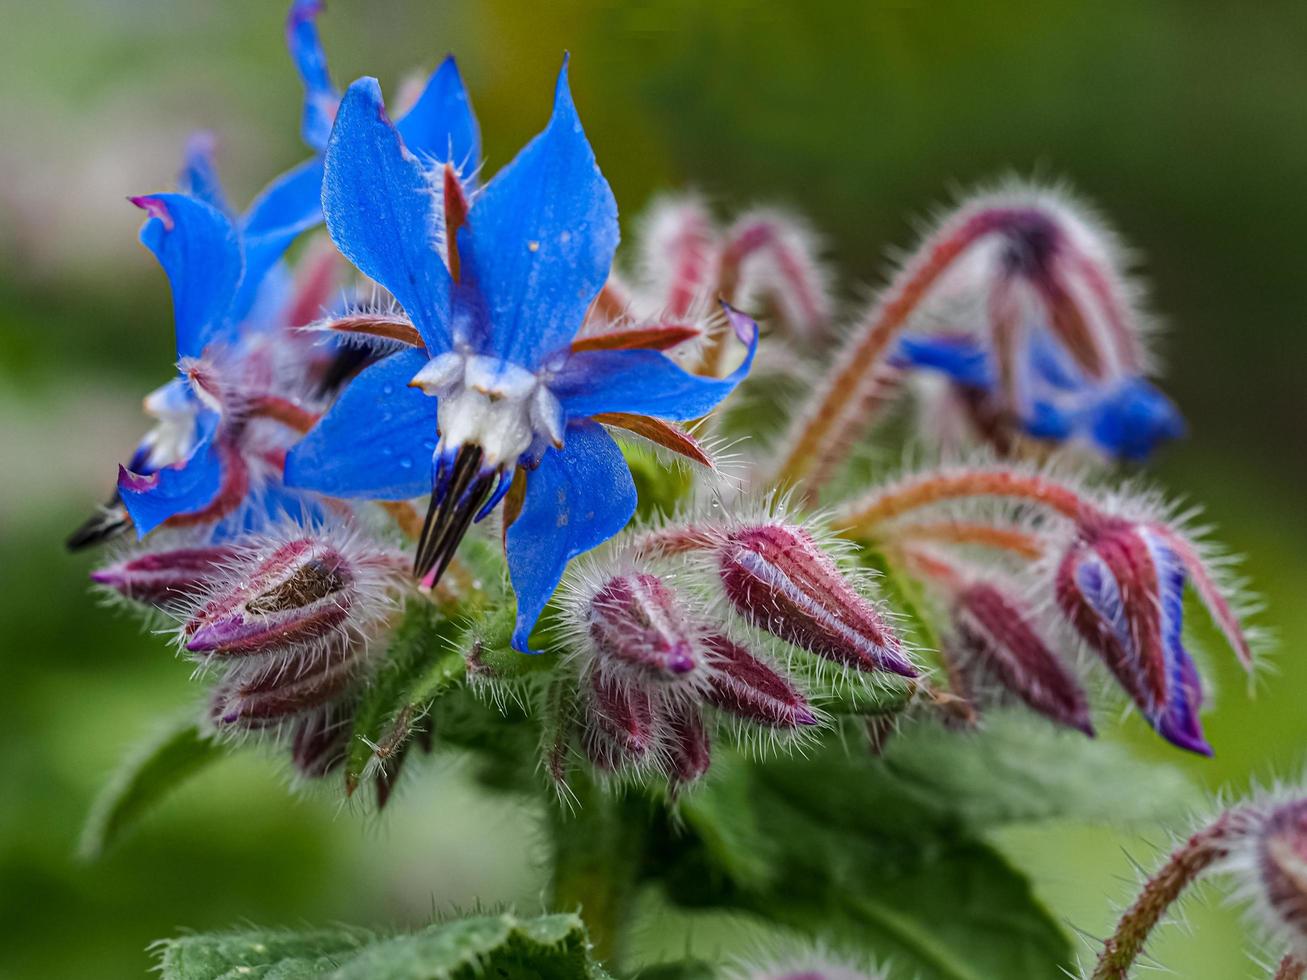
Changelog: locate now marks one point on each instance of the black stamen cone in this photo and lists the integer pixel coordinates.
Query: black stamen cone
(450, 514)
(108, 522)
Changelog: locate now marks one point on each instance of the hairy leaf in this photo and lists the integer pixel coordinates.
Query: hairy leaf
(502, 947)
(145, 778)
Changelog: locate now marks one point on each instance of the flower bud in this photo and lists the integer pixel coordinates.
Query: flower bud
(999, 638)
(688, 744)
(280, 691)
(1281, 864)
(164, 578)
(636, 623)
(782, 581)
(318, 741)
(618, 725)
(1121, 586)
(299, 593)
(743, 685)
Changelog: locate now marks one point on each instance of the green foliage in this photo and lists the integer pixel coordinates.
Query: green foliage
(825, 846)
(553, 947)
(168, 759)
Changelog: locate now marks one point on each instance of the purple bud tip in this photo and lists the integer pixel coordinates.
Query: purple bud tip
(155, 208)
(106, 576)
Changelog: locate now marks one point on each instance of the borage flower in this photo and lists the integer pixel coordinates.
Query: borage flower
(494, 391)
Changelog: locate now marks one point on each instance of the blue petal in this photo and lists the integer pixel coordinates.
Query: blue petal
(182, 488)
(1134, 419)
(378, 204)
(199, 250)
(199, 176)
(288, 206)
(1050, 363)
(320, 96)
(577, 498)
(441, 123)
(960, 358)
(646, 382)
(1045, 420)
(1178, 722)
(540, 240)
(377, 439)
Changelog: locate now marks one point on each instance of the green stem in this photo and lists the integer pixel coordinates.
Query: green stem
(596, 863)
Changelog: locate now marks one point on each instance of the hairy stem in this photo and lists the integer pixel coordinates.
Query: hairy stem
(1161, 890)
(1290, 968)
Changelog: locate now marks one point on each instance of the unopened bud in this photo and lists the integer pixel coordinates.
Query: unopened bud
(689, 748)
(280, 691)
(781, 580)
(302, 593)
(745, 686)
(618, 727)
(1281, 869)
(318, 742)
(999, 638)
(637, 624)
(164, 578)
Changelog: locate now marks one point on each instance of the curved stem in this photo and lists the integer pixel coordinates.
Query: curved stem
(1161, 890)
(883, 505)
(1018, 542)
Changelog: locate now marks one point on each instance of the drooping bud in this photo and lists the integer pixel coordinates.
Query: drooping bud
(618, 724)
(318, 741)
(743, 685)
(782, 581)
(689, 747)
(1121, 586)
(298, 593)
(997, 635)
(636, 624)
(1281, 859)
(164, 578)
(281, 690)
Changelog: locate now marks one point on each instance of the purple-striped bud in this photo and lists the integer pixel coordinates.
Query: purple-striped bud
(1121, 585)
(781, 580)
(997, 635)
(1281, 869)
(637, 625)
(319, 740)
(279, 691)
(743, 685)
(165, 578)
(301, 593)
(618, 725)
(688, 746)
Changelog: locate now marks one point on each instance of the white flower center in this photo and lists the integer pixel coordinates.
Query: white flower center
(173, 438)
(491, 403)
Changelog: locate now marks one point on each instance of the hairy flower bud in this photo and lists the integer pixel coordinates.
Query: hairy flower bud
(997, 635)
(618, 725)
(301, 592)
(281, 690)
(781, 580)
(636, 623)
(1281, 864)
(164, 578)
(318, 741)
(743, 685)
(689, 748)
(1121, 585)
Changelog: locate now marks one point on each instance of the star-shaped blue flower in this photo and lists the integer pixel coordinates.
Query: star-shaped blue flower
(496, 388)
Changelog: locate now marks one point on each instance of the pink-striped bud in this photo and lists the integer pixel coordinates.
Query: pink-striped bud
(165, 578)
(637, 625)
(996, 633)
(781, 580)
(318, 741)
(300, 593)
(743, 685)
(618, 727)
(1281, 864)
(688, 745)
(280, 690)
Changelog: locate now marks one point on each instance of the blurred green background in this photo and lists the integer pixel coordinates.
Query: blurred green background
(1184, 121)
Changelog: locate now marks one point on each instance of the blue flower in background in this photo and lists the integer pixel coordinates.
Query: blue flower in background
(1124, 417)
(496, 391)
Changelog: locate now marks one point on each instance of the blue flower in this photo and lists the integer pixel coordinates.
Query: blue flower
(495, 396)
(1124, 417)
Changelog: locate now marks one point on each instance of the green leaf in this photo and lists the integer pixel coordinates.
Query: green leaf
(149, 774)
(503, 947)
(682, 970)
(830, 845)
